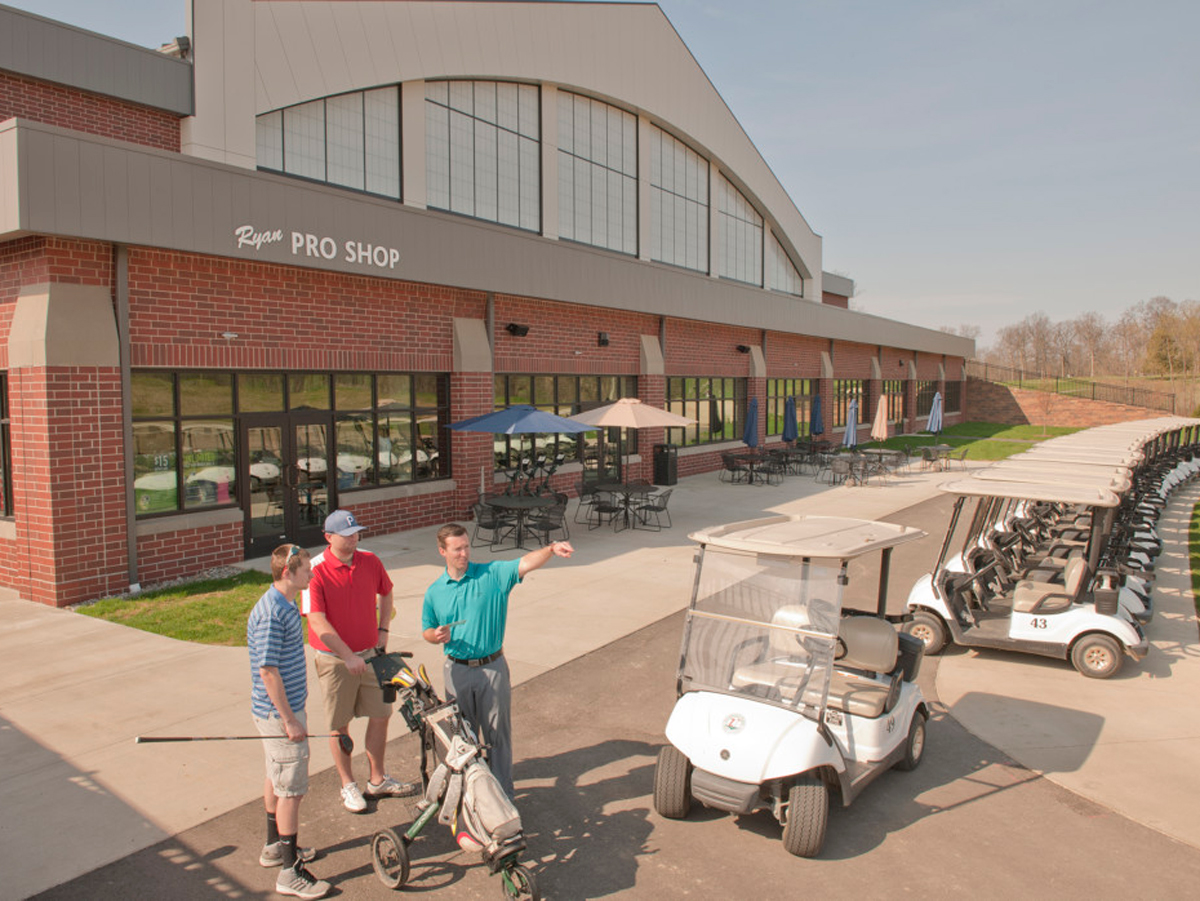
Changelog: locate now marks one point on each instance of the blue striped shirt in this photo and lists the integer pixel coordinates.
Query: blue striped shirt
(275, 637)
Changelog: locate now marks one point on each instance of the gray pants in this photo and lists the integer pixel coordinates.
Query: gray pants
(484, 696)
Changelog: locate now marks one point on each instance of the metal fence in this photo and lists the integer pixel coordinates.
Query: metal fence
(1085, 388)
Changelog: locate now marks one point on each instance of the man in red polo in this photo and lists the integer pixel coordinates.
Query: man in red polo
(350, 609)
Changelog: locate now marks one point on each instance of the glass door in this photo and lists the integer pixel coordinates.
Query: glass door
(284, 468)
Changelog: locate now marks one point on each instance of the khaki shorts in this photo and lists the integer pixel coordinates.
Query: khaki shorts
(287, 761)
(347, 696)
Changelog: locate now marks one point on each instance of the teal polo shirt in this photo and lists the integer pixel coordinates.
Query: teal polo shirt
(480, 598)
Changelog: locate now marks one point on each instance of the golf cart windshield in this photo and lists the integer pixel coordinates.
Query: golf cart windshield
(767, 605)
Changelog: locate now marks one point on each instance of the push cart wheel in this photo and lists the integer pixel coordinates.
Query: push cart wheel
(517, 882)
(914, 748)
(389, 857)
(807, 817)
(672, 783)
(929, 628)
(1097, 656)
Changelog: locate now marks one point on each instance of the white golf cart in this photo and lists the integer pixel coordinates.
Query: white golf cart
(1059, 608)
(781, 699)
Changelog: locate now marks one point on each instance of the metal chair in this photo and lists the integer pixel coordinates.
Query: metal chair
(489, 519)
(605, 504)
(551, 519)
(656, 506)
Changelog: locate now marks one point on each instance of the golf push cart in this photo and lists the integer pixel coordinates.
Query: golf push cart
(782, 701)
(462, 793)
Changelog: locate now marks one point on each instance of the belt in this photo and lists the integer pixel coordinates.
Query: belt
(477, 661)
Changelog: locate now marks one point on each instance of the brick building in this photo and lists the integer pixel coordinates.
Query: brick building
(255, 275)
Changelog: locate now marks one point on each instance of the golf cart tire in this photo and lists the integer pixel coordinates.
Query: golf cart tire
(518, 879)
(389, 857)
(1097, 656)
(929, 628)
(807, 817)
(914, 747)
(672, 783)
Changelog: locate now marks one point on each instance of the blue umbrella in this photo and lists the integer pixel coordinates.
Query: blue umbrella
(750, 433)
(815, 425)
(791, 429)
(935, 414)
(519, 420)
(850, 439)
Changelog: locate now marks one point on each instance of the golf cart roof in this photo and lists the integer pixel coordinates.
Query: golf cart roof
(1083, 454)
(834, 537)
(1054, 492)
(1014, 469)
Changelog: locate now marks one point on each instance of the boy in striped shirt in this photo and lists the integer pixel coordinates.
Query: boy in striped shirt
(279, 688)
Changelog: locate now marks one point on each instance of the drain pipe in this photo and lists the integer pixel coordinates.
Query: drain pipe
(121, 253)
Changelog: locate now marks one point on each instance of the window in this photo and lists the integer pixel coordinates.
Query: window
(388, 429)
(483, 150)
(844, 391)
(352, 140)
(597, 173)
(740, 254)
(717, 404)
(953, 397)
(781, 274)
(563, 395)
(6, 508)
(778, 391)
(925, 392)
(678, 203)
(895, 392)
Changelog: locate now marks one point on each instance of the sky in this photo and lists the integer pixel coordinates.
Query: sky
(966, 162)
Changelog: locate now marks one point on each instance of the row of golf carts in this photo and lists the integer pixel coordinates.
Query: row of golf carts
(789, 694)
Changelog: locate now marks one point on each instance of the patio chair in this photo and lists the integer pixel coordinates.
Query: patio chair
(488, 519)
(732, 469)
(587, 497)
(929, 458)
(550, 519)
(654, 506)
(606, 504)
(960, 457)
(839, 470)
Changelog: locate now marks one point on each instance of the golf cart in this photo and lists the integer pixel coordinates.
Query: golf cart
(989, 589)
(781, 700)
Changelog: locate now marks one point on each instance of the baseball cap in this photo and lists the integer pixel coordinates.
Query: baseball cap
(342, 522)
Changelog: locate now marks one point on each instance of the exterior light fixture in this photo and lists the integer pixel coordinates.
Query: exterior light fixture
(743, 349)
(517, 331)
(602, 339)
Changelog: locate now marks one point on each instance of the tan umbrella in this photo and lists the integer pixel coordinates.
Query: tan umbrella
(630, 413)
(879, 429)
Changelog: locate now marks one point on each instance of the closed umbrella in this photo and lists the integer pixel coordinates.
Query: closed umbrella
(816, 425)
(879, 428)
(850, 438)
(791, 429)
(750, 433)
(935, 414)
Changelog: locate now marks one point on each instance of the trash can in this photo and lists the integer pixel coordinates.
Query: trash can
(666, 464)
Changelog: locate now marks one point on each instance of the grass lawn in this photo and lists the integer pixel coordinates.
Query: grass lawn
(999, 431)
(212, 611)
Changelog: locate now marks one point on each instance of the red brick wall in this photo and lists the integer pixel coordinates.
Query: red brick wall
(79, 110)
(991, 402)
(835, 300)
(185, 552)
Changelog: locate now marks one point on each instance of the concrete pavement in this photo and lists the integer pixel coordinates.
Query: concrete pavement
(75, 691)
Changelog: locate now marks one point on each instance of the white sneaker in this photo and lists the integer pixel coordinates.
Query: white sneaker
(300, 883)
(352, 798)
(391, 788)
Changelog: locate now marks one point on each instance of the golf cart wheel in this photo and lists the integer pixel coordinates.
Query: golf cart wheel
(929, 628)
(1097, 656)
(807, 817)
(389, 857)
(914, 747)
(672, 783)
(517, 882)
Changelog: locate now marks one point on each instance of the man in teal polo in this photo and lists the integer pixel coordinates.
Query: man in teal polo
(466, 610)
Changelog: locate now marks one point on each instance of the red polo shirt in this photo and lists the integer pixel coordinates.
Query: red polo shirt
(347, 594)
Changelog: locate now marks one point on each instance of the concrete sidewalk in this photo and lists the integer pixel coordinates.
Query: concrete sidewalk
(75, 691)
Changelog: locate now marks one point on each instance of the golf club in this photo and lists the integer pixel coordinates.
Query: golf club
(345, 742)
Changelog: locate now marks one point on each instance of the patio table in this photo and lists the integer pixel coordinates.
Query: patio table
(626, 492)
(520, 504)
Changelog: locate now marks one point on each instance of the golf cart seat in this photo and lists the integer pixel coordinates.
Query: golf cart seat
(790, 661)
(872, 647)
(1051, 597)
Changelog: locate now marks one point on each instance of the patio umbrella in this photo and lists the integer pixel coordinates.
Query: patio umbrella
(816, 426)
(519, 420)
(791, 429)
(850, 438)
(879, 428)
(630, 413)
(750, 433)
(935, 414)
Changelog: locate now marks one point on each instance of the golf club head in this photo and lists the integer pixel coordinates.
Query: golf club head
(423, 676)
(404, 678)
(346, 743)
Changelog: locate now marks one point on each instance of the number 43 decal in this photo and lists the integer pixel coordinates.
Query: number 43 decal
(1039, 622)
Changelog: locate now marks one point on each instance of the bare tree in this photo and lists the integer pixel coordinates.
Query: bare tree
(1090, 331)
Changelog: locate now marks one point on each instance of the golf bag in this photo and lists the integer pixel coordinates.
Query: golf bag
(473, 804)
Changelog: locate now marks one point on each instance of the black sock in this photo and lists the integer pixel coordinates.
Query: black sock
(287, 845)
(272, 829)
